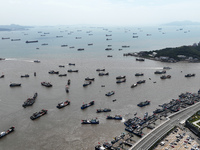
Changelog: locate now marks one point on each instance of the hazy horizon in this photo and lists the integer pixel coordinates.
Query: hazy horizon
(98, 12)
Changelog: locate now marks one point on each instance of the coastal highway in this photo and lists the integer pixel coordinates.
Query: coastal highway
(148, 140)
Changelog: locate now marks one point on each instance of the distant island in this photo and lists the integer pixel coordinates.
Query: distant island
(13, 27)
(182, 23)
(189, 53)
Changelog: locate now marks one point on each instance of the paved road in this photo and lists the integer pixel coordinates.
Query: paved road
(147, 141)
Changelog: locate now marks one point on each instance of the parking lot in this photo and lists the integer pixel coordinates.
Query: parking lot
(179, 140)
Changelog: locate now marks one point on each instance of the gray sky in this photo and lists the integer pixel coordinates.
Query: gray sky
(97, 12)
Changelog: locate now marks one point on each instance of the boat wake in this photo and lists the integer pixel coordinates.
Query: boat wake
(19, 59)
(123, 120)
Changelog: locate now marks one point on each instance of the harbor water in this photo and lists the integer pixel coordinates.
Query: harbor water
(61, 129)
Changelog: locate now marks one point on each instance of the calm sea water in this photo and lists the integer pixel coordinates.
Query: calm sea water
(62, 129)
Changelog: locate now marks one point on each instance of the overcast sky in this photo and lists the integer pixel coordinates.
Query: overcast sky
(98, 12)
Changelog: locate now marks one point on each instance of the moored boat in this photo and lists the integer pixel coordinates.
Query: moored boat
(63, 104)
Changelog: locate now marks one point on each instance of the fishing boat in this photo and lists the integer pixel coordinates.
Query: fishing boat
(15, 84)
(53, 72)
(87, 105)
(67, 89)
(110, 93)
(116, 117)
(87, 83)
(139, 74)
(31, 41)
(120, 77)
(63, 104)
(70, 70)
(134, 85)
(141, 81)
(103, 74)
(121, 81)
(71, 64)
(92, 121)
(4, 133)
(89, 79)
(100, 69)
(140, 59)
(103, 110)
(30, 101)
(47, 84)
(141, 104)
(38, 114)
(25, 76)
(36, 61)
(62, 75)
(2, 76)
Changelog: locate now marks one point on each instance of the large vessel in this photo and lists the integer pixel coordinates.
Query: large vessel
(30, 101)
(38, 114)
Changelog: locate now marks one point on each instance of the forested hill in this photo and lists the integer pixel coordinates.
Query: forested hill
(176, 53)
